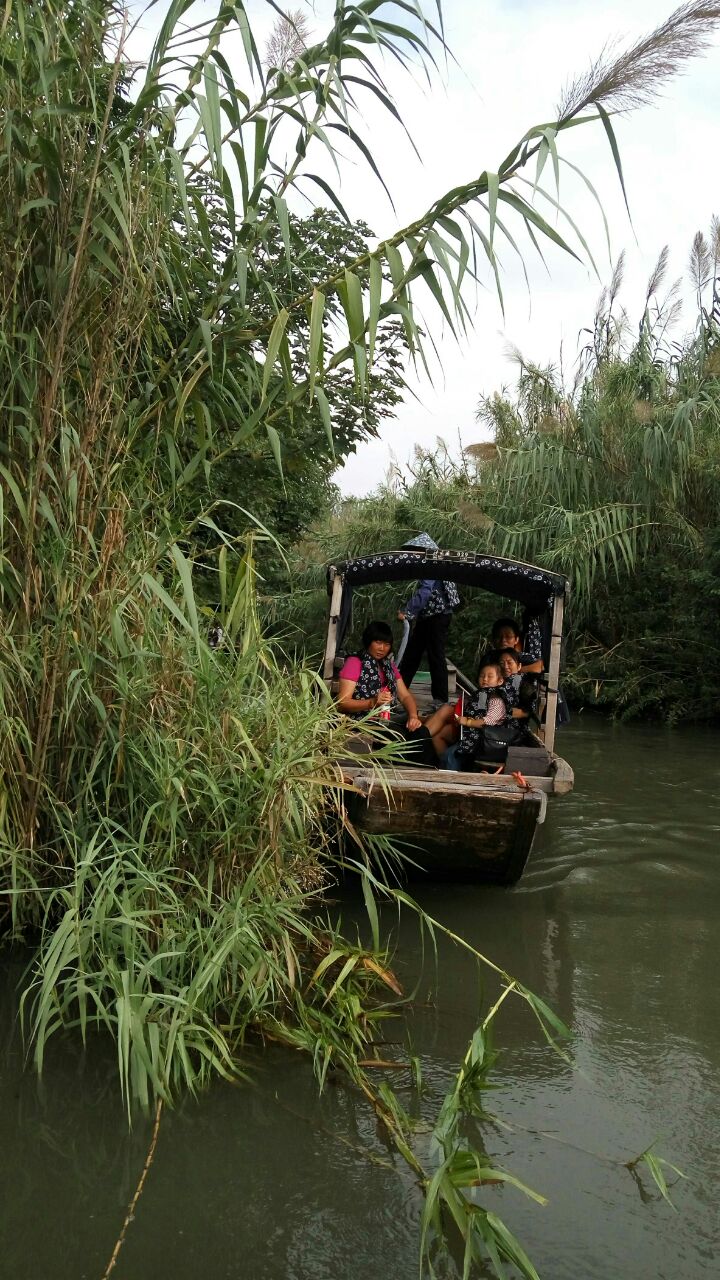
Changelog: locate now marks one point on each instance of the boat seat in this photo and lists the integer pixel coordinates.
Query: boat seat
(531, 759)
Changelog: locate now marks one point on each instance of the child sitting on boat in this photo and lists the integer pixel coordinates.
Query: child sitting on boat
(487, 709)
(521, 688)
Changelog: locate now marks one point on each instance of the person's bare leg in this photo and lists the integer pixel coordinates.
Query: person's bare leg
(442, 729)
(440, 719)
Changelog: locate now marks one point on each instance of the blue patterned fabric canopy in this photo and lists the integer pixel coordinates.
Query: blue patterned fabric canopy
(532, 587)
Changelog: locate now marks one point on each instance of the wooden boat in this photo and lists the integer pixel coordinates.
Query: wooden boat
(472, 826)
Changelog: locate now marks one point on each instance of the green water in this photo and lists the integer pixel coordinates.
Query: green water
(615, 923)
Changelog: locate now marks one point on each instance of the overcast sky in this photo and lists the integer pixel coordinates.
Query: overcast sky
(514, 57)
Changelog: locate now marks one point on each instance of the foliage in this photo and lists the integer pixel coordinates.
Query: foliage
(615, 481)
(314, 442)
(656, 1167)
(163, 808)
(437, 493)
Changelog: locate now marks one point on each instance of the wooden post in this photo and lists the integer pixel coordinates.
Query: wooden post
(332, 631)
(553, 672)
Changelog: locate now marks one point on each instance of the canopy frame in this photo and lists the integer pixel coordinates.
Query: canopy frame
(541, 592)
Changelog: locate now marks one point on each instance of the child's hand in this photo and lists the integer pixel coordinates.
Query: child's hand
(460, 719)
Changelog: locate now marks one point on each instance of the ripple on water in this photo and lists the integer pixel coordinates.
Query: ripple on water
(614, 923)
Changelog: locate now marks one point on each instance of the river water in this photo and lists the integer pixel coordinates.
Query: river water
(615, 923)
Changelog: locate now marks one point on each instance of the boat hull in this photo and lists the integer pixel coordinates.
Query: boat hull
(462, 827)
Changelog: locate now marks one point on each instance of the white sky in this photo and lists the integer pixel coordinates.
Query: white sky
(514, 58)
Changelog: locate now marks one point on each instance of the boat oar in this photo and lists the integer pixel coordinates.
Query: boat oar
(403, 642)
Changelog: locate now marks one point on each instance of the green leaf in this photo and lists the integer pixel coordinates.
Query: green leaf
(183, 568)
(375, 296)
(317, 311)
(354, 307)
(281, 210)
(493, 187)
(276, 337)
(615, 151)
(324, 407)
(530, 215)
(276, 447)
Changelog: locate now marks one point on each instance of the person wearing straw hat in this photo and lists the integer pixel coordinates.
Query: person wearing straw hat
(431, 608)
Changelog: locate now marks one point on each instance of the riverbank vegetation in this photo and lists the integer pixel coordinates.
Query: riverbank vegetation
(614, 480)
(174, 343)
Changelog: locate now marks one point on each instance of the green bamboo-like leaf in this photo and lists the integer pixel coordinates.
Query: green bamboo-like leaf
(371, 909)
(15, 491)
(324, 406)
(610, 132)
(546, 196)
(493, 190)
(329, 192)
(354, 306)
(276, 447)
(511, 1247)
(276, 336)
(396, 265)
(157, 589)
(317, 311)
(206, 332)
(542, 156)
(595, 196)
(530, 215)
(283, 218)
(374, 300)
(212, 115)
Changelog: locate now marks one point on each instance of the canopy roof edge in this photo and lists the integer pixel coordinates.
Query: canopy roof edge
(528, 584)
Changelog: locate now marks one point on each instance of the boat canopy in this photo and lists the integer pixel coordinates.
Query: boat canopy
(532, 587)
(541, 593)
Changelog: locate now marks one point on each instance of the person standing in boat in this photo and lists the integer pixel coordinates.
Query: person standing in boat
(431, 608)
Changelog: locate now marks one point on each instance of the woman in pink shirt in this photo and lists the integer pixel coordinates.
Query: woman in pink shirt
(371, 679)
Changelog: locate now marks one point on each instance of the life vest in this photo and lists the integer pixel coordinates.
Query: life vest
(368, 682)
(512, 689)
(478, 705)
(444, 598)
(522, 691)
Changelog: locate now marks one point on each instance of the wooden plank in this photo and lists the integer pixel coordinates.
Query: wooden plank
(559, 781)
(553, 672)
(333, 619)
(434, 779)
(564, 778)
(464, 836)
(529, 819)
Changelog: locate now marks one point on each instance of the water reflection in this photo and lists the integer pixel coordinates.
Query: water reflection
(613, 924)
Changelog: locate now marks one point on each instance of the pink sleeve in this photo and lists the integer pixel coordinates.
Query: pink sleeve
(496, 712)
(396, 672)
(351, 669)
